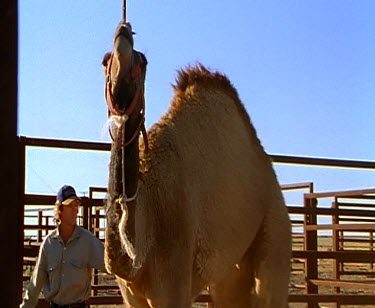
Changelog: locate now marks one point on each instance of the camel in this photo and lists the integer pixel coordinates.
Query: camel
(195, 203)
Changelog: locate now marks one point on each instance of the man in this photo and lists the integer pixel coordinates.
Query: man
(66, 258)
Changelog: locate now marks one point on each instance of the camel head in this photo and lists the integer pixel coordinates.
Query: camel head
(125, 72)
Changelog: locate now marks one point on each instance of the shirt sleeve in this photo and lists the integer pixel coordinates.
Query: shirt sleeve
(97, 255)
(38, 279)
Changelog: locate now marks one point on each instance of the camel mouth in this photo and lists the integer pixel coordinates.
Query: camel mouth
(123, 90)
(124, 93)
(125, 30)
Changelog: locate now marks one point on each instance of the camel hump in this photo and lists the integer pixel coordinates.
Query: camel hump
(192, 79)
(199, 75)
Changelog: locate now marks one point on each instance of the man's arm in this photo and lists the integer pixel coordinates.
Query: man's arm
(38, 279)
(97, 255)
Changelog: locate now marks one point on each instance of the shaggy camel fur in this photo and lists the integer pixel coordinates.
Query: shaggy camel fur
(209, 210)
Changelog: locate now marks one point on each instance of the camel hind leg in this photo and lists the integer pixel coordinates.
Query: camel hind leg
(261, 279)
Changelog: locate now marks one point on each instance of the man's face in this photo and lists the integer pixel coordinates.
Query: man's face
(69, 213)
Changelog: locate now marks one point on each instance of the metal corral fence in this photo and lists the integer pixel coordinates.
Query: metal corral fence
(331, 262)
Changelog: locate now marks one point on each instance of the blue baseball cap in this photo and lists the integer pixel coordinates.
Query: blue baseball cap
(66, 195)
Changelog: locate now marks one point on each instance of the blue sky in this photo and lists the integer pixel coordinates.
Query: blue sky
(305, 71)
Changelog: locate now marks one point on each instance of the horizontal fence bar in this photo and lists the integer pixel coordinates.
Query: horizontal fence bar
(37, 227)
(283, 159)
(48, 200)
(323, 162)
(343, 194)
(331, 211)
(349, 256)
(343, 283)
(66, 144)
(286, 187)
(341, 227)
(344, 299)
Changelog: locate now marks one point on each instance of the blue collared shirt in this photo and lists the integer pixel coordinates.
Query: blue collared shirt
(64, 270)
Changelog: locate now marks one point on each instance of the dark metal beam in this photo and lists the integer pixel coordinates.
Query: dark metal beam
(11, 210)
(325, 162)
(65, 144)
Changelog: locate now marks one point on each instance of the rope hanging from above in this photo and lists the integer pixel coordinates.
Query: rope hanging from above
(124, 11)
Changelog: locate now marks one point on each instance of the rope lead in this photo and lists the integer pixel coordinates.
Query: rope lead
(124, 11)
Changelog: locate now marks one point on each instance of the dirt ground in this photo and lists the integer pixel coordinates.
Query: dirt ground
(297, 279)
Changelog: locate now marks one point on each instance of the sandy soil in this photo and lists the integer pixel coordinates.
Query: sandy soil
(297, 280)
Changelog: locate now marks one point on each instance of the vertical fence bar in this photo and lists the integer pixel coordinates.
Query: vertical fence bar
(96, 272)
(336, 234)
(21, 213)
(47, 224)
(21, 206)
(372, 247)
(40, 224)
(311, 245)
(85, 212)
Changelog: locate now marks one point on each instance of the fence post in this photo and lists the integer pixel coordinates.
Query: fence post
(40, 224)
(85, 209)
(47, 224)
(311, 245)
(336, 245)
(371, 246)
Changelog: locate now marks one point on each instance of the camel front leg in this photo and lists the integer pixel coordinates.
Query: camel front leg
(170, 283)
(132, 297)
(236, 289)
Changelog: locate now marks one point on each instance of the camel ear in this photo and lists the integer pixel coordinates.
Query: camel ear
(105, 59)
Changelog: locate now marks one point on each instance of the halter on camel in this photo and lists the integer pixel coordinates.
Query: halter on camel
(135, 77)
(121, 116)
